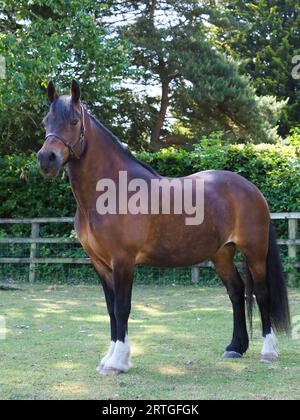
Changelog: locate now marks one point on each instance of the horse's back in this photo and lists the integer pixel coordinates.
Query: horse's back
(234, 211)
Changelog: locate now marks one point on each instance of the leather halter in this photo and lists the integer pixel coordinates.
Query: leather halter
(70, 146)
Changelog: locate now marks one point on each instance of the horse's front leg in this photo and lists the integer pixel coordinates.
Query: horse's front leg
(106, 279)
(110, 303)
(119, 360)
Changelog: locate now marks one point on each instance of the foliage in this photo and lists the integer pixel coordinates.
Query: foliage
(137, 62)
(60, 40)
(274, 169)
(267, 41)
(175, 47)
(26, 193)
(214, 95)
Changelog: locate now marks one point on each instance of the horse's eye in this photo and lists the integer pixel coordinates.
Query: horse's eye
(74, 122)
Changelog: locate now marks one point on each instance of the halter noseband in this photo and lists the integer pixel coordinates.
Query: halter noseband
(80, 141)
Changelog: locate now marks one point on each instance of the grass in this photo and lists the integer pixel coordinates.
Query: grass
(178, 335)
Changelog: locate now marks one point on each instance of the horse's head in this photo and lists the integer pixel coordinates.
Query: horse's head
(64, 125)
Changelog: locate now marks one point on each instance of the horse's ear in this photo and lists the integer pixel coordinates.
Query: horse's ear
(52, 94)
(75, 91)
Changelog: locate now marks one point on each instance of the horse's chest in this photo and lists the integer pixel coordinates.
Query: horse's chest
(93, 240)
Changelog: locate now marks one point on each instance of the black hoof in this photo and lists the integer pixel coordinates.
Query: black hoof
(232, 355)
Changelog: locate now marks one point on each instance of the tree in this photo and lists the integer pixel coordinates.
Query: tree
(218, 97)
(179, 51)
(175, 45)
(268, 41)
(59, 40)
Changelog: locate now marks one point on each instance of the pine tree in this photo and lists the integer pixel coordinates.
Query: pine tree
(176, 44)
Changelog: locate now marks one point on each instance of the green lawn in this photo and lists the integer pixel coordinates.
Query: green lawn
(178, 336)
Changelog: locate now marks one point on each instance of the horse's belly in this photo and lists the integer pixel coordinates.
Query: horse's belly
(171, 261)
(182, 247)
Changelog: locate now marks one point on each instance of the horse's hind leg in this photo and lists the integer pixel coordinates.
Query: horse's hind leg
(258, 268)
(224, 264)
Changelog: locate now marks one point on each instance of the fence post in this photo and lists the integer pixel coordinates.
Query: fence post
(195, 274)
(292, 249)
(35, 230)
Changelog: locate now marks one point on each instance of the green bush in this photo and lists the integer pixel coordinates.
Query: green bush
(274, 169)
(24, 192)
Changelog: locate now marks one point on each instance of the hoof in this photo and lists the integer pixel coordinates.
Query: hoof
(110, 371)
(232, 355)
(269, 357)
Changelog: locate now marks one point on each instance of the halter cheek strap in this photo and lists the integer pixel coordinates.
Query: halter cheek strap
(72, 147)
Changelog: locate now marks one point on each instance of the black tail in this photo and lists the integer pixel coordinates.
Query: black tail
(279, 305)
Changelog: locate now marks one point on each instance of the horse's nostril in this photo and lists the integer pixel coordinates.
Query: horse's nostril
(52, 157)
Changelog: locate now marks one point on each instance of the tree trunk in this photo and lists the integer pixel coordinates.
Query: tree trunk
(164, 103)
(152, 8)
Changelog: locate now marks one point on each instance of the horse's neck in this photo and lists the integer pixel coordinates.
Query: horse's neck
(103, 158)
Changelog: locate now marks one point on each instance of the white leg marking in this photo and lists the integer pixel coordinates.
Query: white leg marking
(108, 355)
(120, 359)
(270, 350)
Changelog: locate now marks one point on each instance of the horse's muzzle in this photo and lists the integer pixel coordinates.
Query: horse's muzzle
(50, 162)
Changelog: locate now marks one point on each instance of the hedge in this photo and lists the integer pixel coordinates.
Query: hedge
(275, 169)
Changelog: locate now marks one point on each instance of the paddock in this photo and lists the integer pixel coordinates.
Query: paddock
(177, 335)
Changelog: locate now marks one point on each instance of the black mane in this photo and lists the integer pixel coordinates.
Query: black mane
(124, 149)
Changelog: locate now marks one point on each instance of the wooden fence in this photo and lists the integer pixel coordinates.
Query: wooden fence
(33, 259)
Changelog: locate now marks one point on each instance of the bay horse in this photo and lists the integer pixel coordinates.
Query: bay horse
(236, 217)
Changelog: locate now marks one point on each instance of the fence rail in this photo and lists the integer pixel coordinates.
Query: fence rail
(33, 260)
